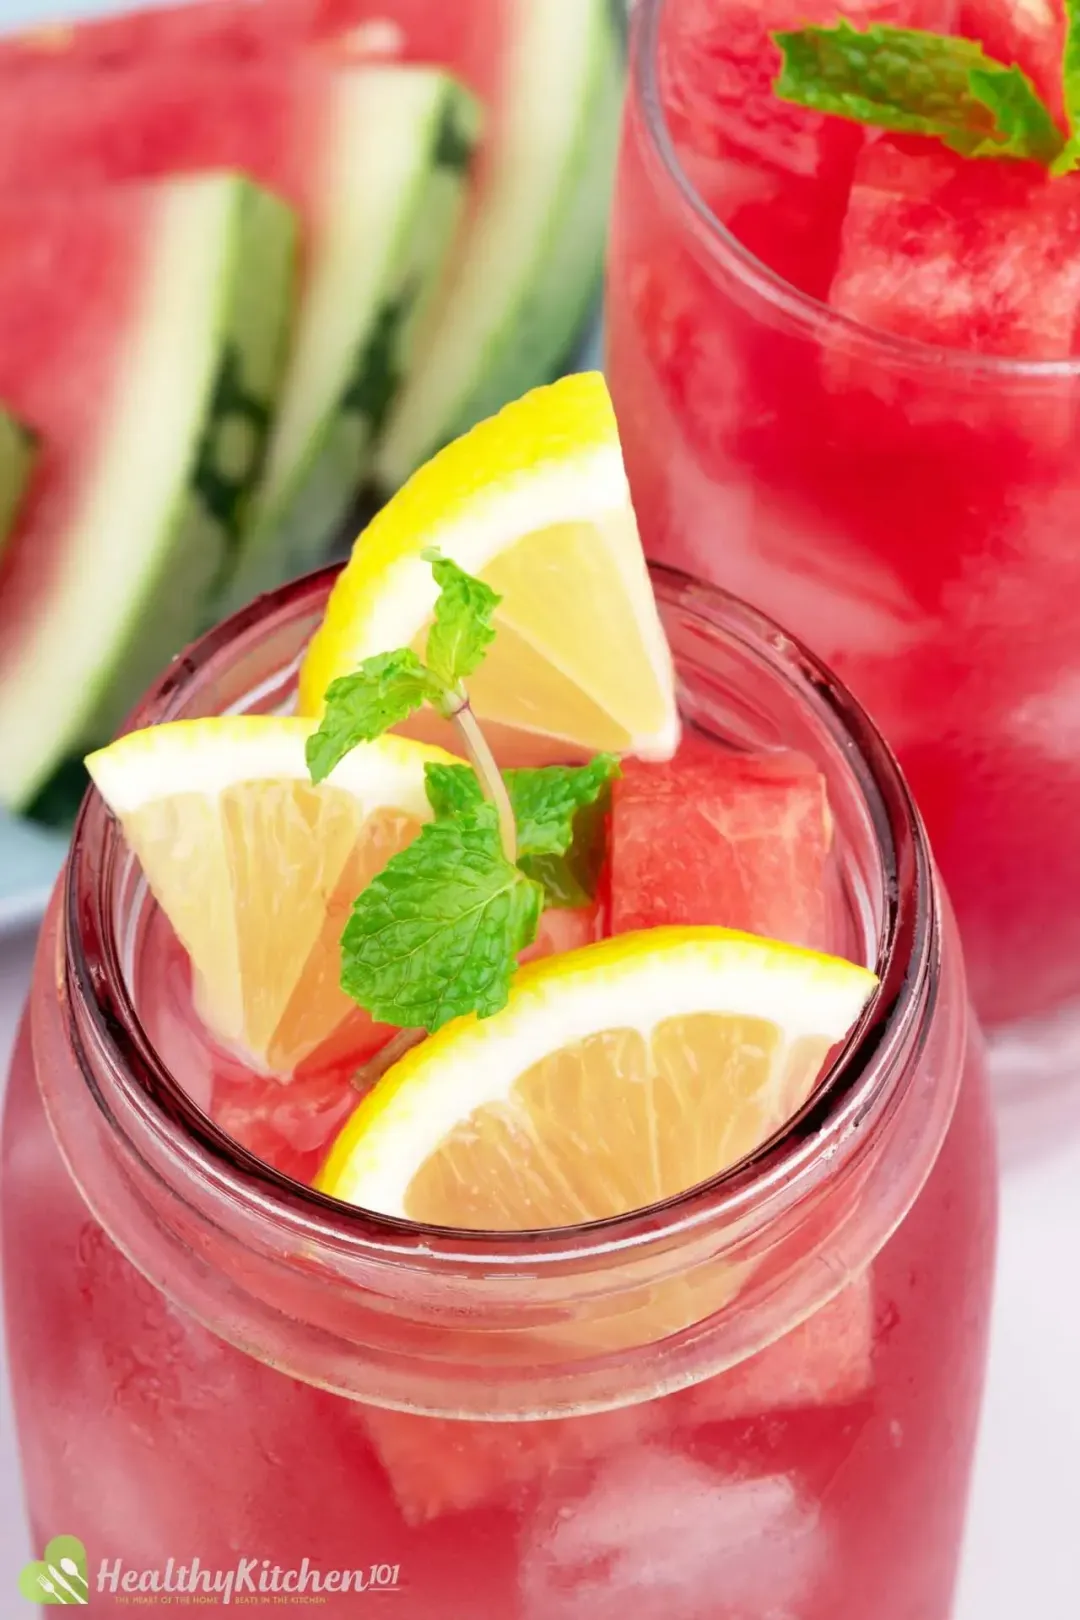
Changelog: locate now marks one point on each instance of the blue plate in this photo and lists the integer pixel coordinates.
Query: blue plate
(30, 856)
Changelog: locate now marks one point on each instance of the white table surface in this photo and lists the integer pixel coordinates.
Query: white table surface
(1022, 1559)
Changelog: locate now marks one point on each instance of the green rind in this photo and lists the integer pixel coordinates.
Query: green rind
(296, 531)
(18, 449)
(543, 315)
(253, 320)
(201, 518)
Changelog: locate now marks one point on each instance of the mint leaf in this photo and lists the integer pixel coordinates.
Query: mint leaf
(1070, 79)
(1025, 124)
(916, 83)
(437, 933)
(560, 814)
(546, 801)
(462, 631)
(384, 691)
(452, 790)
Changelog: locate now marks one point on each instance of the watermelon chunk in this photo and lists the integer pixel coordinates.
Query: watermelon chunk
(289, 1124)
(448, 1466)
(826, 1361)
(737, 840)
(375, 161)
(776, 174)
(18, 447)
(947, 251)
(1028, 32)
(130, 336)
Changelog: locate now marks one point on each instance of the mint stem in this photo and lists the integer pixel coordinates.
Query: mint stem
(385, 1058)
(490, 777)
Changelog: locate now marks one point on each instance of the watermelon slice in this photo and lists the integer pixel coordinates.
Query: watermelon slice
(374, 159)
(739, 840)
(1029, 32)
(141, 331)
(776, 174)
(528, 267)
(18, 447)
(947, 251)
(528, 270)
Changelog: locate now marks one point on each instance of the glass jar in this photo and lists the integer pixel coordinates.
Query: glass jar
(758, 1400)
(910, 511)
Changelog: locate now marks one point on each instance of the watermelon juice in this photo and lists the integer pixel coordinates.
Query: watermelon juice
(846, 375)
(759, 1400)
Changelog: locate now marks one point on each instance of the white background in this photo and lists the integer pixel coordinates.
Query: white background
(1022, 1560)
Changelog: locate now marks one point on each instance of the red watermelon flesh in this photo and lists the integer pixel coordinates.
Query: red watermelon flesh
(236, 31)
(776, 174)
(1028, 32)
(132, 123)
(736, 840)
(464, 38)
(67, 270)
(947, 251)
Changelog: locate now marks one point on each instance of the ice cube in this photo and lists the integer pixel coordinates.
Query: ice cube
(660, 1536)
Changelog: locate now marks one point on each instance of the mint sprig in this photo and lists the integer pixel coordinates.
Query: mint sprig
(559, 811)
(438, 932)
(1069, 159)
(917, 83)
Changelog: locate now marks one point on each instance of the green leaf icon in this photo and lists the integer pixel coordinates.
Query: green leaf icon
(62, 1576)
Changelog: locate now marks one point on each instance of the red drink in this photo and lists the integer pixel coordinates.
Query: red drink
(878, 444)
(760, 1401)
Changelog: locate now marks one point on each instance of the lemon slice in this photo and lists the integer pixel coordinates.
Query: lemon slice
(255, 868)
(616, 1076)
(535, 502)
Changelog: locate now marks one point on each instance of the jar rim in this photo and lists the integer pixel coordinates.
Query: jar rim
(819, 319)
(869, 1072)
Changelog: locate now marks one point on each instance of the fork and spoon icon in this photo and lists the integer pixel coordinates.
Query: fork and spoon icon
(69, 1568)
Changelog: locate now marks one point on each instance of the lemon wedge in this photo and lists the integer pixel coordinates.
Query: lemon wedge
(617, 1076)
(535, 502)
(255, 868)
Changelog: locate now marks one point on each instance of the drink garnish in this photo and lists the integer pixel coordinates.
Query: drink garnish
(935, 85)
(437, 933)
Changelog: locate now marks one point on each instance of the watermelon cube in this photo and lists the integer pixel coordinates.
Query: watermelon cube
(374, 159)
(437, 1467)
(132, 338)
(776, 174)
(825, 1361)
(968, 255)
(1028, 32)
(736, 840)
(18, 446)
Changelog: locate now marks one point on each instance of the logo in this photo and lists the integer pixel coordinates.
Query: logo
(59, 1577)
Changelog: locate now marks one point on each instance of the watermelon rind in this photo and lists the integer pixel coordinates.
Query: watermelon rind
(530, 266)
(162, 505)
(391, 198)
(18, 446)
